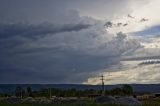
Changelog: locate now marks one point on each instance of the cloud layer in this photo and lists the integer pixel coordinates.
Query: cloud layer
(63, 45)
(55, 52)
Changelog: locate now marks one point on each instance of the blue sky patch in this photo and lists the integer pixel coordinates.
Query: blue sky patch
(149, 32)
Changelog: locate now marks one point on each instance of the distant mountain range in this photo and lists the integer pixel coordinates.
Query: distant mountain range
(10, 88)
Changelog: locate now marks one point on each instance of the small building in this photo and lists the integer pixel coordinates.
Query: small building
(156, 94)
(143, 96)
(94, 95)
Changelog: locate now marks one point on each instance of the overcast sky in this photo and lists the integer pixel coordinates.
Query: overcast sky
(70, 41)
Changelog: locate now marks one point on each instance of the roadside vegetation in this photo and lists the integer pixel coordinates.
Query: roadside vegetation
(73, 97)
(146, 103)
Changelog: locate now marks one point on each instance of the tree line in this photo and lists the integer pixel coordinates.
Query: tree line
(48, 92)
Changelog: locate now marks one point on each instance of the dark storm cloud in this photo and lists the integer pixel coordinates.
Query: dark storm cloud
(31, 11)
(52, 10)
(150, 62)
(51, 67)
(55, 58)
(141, 58)
(55, 44)
(11, 30)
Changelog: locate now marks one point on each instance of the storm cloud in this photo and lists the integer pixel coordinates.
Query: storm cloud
(10, 30)
(67, 42)
(59, 51)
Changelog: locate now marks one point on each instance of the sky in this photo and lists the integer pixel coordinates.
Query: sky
(76, 41)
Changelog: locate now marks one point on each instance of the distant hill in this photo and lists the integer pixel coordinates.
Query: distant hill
(10, 88)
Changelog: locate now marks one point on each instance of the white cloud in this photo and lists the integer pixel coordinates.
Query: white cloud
(132, 75)
(146, 10)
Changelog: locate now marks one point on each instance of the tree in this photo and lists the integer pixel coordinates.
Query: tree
(29, 91)
(127, 89)
(116, 91)
(19, 92)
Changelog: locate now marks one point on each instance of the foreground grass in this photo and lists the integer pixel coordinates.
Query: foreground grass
(86, 103)
(92, 104)
(151, 103)
(145, 103)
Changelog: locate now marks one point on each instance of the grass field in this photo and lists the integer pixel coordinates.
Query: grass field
(88, 102)
(146, 103)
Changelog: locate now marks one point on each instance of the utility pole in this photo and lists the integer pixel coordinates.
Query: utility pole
(103, 87)
(21, 93)
(50, 92)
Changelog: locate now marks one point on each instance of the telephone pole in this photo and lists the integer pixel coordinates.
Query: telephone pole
(21, 93)
(103, 87)
(50, 92)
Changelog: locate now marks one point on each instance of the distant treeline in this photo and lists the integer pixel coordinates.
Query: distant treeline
(48, 92)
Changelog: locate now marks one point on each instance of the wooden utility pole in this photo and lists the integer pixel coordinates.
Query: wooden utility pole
(103, 87)
(50, 92)
(21, 93)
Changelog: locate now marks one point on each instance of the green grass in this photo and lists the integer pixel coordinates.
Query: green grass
(8, 104)
(145, 103)
(151, 103)
(91, 104)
